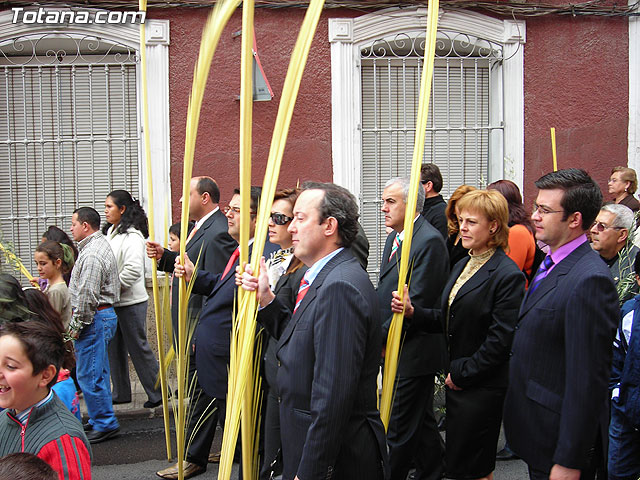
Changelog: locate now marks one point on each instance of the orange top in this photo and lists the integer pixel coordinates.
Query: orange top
(522, 247)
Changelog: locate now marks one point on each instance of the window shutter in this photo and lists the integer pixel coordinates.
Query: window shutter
(68, 136)
(457, 130)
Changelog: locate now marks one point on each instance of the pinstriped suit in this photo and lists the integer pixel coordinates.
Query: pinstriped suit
(560, 364)
(328, 363)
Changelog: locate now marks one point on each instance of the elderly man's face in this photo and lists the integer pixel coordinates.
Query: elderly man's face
(607, 239)
(393, 207)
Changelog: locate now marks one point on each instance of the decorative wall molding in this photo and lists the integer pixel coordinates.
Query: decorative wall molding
(348, 36)
(634, 91)
(157, 53)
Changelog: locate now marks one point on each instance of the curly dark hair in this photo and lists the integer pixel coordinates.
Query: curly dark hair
(133, 216)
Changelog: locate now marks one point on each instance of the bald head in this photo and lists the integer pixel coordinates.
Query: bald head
(204, 196)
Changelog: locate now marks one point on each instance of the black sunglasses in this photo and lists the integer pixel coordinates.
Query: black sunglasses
(280, 218)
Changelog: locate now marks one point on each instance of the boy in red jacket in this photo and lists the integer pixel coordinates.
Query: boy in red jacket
(34, 419)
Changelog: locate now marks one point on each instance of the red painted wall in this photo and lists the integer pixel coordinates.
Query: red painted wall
(308, 152)
(575, 78)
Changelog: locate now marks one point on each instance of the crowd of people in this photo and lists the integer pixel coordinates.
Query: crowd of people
(531, 318)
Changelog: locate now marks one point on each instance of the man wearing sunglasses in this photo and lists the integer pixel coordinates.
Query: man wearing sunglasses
(610, 238)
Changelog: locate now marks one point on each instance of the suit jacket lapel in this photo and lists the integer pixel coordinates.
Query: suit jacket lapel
(387, 265)
(310, 296)
(480, 276)
(230, 275)
(453, 276)
(198, 235)
(550, 281)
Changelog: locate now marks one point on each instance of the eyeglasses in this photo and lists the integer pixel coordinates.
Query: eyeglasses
(601, 227)
(280, 218)
(542, 211)
(236, 210)
(424, 182)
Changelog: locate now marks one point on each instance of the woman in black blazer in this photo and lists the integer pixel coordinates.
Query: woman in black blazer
(478, 313)
(285, 272)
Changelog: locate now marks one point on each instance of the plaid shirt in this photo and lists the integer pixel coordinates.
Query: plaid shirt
(94, 280)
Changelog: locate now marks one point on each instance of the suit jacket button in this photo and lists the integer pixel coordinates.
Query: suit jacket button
(278, 362)
(279, 399)
(511, 353)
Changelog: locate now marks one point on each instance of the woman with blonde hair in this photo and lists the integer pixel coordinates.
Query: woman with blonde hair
(478, 313)
(454, 245)
(623, 183)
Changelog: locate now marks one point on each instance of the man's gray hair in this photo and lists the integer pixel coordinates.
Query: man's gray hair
(624, 215)
(405, 183)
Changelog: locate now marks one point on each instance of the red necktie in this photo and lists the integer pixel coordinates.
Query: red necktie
(232, 260)
(302, 291)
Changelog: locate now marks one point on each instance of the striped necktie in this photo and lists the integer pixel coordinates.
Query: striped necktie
(543, 271)
(394, 247)
(302, 291)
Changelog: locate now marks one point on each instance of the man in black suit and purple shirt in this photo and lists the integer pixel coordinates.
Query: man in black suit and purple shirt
(328, 352)
(556, 406)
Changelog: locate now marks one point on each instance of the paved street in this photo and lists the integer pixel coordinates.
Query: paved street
(139, 452)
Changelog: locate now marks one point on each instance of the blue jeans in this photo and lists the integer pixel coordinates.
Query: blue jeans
(92, 368)
(624, 446)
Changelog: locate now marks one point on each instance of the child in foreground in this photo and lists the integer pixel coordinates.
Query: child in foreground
(35, 420)
(65, 389)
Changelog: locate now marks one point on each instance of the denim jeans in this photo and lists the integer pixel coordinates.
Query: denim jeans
(92, 368)
(624, 446)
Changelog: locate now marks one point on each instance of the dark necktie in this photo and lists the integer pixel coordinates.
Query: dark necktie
(543, 271)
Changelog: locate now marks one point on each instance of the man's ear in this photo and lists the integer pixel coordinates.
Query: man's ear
(331, 226)
(48, 374)
(576, 221)
(624, 234)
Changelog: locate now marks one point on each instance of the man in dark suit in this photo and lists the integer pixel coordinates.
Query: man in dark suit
(412, 434)
(209, 243)
(211, 342)
(328, 352)
(434, 204)
(556, 404)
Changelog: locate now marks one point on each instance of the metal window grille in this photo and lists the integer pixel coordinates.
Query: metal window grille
(459, 123)
(68, 133)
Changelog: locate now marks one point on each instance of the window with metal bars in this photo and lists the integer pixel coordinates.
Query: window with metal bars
(458, 129)
(68, 136)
